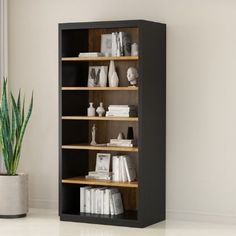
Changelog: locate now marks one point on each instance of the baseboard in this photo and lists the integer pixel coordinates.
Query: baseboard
(200, 216)
(44, 204)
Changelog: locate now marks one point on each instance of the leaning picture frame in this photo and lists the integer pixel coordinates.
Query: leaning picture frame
(103, 162)
(106, 44)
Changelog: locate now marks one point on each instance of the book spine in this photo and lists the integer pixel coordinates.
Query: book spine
(82, 205)
(88, 200)
(115, 168)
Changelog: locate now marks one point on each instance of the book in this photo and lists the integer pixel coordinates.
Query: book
(112, 191)
(129, 168)
(98, 201)
(92, 200)
(102, 192)
(123, 173)
(88, 200)
(117, 203)
(90, 54)
(98, 175)
(83, 198)
(106, 205)
(115, 168)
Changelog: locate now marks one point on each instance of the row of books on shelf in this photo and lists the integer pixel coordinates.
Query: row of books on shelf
(123, 168)
(105, 201)
(122, 111)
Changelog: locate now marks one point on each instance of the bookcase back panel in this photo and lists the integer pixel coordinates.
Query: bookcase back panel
(74, 74)
(73, 42)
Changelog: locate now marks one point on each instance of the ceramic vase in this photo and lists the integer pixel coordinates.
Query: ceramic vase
(112, 69)
(100, 110)
(103, 77)
(91, 110)
(114, 82)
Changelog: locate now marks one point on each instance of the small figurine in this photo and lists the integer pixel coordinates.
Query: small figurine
(132, 75)
(93, 142)
(100, 110)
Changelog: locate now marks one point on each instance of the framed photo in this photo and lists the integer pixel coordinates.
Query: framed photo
(106, 44)
(103, 162)
(97, 75)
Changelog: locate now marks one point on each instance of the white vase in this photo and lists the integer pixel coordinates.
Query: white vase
(100, 110)
(114, 82)
(91, 110)
(112, 69)
(103, 77)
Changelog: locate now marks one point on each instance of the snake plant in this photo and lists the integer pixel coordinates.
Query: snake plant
(13, 122)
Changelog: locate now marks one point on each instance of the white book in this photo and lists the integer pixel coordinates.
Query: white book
(91, 54)
(129, 168)
(117, 203)
(106, 205)
(124, 177)
(121, 106)
(82, 198)
(115, 168)
(102, 191)
(120, 145)
(112, 190)
(93, 200)
(88, 200)
(114, 44)
(98, 201)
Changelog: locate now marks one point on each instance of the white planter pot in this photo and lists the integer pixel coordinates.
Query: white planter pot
(13, 196)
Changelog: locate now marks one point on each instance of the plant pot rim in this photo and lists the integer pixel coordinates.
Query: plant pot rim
(16, 175)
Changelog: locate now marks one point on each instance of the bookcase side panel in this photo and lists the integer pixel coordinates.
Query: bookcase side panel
(152, 126)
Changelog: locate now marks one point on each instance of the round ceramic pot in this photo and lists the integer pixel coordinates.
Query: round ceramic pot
(13, 196)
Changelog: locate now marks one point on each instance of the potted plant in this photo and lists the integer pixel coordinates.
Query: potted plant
(13, 186)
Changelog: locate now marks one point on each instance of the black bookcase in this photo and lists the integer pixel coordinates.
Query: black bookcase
(144, 199)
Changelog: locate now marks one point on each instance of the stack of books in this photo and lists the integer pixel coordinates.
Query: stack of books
(121, 44)
(105, 201)
(90, 54)
(123, 169)
(122, 142)
(121, 111)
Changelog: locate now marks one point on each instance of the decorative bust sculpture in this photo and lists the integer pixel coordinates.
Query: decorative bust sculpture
(132, 75)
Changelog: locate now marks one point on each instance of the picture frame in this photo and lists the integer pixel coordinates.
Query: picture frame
(103, 162)
(96, 75)
(106, 44)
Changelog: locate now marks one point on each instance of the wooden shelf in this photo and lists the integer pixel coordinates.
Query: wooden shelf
(100, 148)
(105, 118)
(124, 58)
(131, 88)
(83, 180)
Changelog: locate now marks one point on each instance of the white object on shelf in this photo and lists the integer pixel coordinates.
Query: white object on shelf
(115, 168)
(90, 54)
(111, 70)
(114, 81)
(134, 49)
(91, 110)
(103, 76)
(100, 110)
(117, 203)
(93, 142)
(129, 168)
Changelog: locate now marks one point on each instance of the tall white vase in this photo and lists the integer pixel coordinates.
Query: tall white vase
(103, 77)
(112, 69)
(114, 82)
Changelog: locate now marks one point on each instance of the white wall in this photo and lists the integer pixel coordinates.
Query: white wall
(201, 94)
